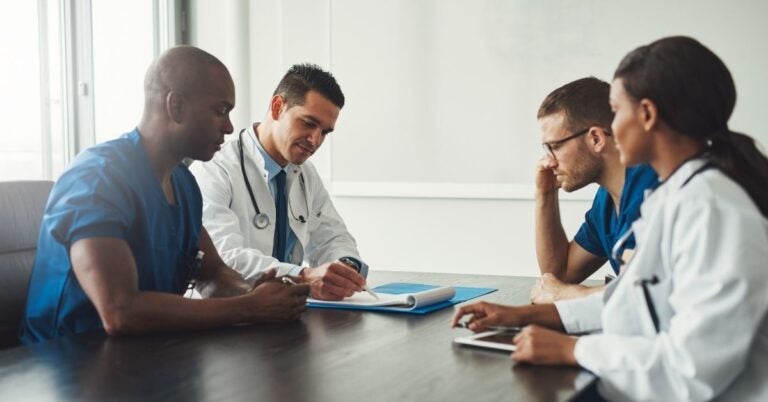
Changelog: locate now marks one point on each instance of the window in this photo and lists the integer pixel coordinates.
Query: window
(73, 76)
(32, 144)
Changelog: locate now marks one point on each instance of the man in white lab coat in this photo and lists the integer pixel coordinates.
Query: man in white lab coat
(264, 203)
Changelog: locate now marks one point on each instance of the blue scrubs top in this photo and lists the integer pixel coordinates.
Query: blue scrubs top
(602, 227)
(110, 190)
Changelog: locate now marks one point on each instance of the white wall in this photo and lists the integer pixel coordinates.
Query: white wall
(118, 103)
(432, 160)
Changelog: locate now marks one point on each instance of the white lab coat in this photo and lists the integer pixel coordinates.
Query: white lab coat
(707, 244)
(228, 213)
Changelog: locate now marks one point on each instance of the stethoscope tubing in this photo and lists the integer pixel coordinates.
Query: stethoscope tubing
(261, 220)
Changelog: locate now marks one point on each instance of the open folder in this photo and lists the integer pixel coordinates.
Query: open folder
(414, 298)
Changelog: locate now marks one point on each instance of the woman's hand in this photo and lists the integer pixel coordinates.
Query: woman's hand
(539, 345)
(486, 314)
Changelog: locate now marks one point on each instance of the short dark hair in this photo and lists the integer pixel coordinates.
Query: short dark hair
(302, 78)
(584, 102)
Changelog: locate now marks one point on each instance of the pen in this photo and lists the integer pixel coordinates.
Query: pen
(370, 292)
(648, 300)
(287, 280)
(354, 265)
(194, 269)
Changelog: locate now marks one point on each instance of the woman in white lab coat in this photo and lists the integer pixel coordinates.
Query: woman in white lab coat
(686, 319)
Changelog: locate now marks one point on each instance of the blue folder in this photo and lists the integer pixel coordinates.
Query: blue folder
(462, 294)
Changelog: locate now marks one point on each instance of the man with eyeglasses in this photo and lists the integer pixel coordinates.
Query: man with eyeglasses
(575, 122)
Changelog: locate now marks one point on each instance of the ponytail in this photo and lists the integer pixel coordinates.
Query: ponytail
(738, 156)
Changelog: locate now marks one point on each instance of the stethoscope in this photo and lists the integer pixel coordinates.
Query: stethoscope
(653, 280)
(620, 244)
(261, 220)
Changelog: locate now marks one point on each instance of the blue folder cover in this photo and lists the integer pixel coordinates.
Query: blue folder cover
(462, 294)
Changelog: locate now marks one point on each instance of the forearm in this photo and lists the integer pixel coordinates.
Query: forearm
(551, 241)
(223, 223)
(142, 314)
(574, 291)
(251, 263)
(225, 282)
(217, 279)
(545, 315)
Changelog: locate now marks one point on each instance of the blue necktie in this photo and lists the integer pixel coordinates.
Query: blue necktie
(281, 223)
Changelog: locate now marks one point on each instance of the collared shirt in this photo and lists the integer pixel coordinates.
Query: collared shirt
(273, 168)
(228, 213)
(602, 227)
(110, 190)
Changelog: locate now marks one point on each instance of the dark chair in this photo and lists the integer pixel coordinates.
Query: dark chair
(21, 211)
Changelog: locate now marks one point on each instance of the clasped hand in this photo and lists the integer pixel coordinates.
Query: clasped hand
(273, 300)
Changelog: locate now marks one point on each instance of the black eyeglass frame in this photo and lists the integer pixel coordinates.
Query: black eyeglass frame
(549, 147)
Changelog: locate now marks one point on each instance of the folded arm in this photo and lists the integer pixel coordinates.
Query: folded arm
(216, 278)
(106, 270)
(566, 260)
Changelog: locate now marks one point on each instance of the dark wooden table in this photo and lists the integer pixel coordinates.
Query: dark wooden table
(329, 355)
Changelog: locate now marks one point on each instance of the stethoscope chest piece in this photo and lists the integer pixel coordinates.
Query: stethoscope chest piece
(261, 220)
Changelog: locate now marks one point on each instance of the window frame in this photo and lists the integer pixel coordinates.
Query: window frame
(170, 24)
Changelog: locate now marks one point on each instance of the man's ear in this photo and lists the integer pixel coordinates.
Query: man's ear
(276, 106)
(598, 138)
(175, 106)
(649, 114)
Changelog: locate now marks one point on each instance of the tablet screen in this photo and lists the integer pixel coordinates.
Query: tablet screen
(504, 337)
(499, 340)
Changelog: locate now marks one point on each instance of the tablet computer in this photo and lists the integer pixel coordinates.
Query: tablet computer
(497, 339)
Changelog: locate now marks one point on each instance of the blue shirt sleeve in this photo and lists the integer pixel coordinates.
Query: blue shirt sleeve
(588, 237)
(90, 202)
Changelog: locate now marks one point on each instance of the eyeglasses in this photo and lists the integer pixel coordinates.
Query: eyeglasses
(550, 147)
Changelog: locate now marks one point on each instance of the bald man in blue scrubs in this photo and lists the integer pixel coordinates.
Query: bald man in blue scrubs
(122, 235)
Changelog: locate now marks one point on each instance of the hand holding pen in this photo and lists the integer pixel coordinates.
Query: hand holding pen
(352, 264)
(333, 281)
